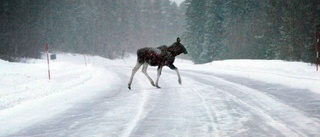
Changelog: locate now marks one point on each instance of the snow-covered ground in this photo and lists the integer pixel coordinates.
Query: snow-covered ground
(88, 96)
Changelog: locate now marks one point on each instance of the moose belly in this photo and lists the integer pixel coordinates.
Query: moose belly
(154, 62)
(155, 59)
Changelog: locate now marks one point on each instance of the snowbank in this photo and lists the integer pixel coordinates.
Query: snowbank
(294, 74)
(26, 89)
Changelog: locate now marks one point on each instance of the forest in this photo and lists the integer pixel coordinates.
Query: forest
(109, 28)
(252, 29)
(210, 29)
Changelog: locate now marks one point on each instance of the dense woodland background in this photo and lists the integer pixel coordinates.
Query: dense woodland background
(109, 28)
(252, 29)
(210, 29)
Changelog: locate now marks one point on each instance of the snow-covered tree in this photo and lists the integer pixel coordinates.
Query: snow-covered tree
(194, 36)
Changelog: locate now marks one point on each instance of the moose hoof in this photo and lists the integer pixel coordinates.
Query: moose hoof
(129, 87)
(180, 81)
(152, 83)
(158, 86)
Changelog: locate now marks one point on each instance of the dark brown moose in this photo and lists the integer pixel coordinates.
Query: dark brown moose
(159, 56)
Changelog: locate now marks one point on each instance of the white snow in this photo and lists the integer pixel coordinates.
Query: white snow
(178, 1)
(294, 74)
(27, 96)
(206, 104)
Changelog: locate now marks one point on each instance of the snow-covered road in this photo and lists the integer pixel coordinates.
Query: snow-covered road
(206, 104)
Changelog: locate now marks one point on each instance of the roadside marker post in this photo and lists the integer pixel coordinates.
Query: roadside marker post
(317, 48)
(48, 60)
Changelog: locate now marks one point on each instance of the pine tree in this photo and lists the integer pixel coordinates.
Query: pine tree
(195, 17)
(213, 46)
(273, 23)
(297, 32)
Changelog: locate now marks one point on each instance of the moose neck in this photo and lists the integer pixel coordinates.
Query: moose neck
(174, 49)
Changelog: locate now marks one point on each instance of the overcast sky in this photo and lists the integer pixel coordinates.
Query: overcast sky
(178, 1)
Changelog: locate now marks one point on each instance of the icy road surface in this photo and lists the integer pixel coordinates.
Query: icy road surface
(207, 104)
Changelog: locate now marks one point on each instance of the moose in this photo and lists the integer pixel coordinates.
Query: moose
(159, 56)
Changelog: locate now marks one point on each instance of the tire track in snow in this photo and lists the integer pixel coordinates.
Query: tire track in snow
(302, 99)
(281, 118)
(172, 110)
(139, 115)
(130, 128)
(210, 114)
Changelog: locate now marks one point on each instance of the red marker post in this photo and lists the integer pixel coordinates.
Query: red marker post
(317, 48)
(48, 60)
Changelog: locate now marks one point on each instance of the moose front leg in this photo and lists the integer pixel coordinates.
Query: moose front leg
(179, 78)
(176, 69)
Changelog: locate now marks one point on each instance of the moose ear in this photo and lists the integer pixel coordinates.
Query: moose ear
(178, 40)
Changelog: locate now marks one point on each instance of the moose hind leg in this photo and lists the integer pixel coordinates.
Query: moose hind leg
(144, 71)
(158, 76)
(134, 70)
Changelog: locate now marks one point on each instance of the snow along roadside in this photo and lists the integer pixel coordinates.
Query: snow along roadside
(293, 74)
(38, 98)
